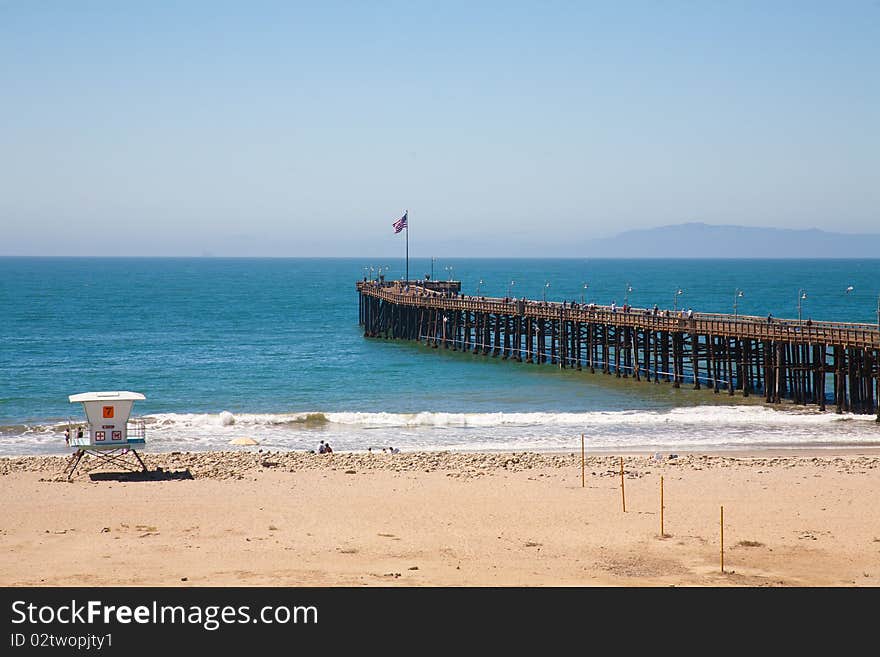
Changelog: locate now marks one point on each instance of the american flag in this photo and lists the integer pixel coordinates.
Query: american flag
(400, 224)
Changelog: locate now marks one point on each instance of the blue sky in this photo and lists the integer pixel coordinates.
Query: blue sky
(505, 128)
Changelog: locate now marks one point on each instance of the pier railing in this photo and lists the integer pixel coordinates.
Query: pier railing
(780, 358)
(742, 326)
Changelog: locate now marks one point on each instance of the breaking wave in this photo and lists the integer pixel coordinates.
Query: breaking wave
(694, 428)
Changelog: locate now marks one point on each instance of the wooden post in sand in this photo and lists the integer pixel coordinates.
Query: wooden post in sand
(622, 489)
(662, 533)
(722, 539)
(583, 465)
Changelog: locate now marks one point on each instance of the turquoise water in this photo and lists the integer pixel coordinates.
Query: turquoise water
(275, 343)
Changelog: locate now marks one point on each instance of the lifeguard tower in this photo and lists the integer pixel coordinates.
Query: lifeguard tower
(109, 434)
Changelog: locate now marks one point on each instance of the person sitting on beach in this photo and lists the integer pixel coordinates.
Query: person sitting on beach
(393, 450)
(322, 448)
(327, 448)
(67, 436)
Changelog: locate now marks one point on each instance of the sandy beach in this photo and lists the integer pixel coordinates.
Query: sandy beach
(447, 519)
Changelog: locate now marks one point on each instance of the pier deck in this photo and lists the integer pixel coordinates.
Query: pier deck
(778, 358)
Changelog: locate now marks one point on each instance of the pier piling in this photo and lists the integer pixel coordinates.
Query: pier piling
(778, 359)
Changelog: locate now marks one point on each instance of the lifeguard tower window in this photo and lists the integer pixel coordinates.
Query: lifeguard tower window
(108, 416)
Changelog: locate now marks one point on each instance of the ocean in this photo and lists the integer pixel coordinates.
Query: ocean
(270, 349)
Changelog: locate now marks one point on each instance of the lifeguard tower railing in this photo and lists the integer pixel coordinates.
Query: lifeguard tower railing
(136, 431)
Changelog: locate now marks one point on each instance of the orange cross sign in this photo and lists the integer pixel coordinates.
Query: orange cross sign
(108, 411)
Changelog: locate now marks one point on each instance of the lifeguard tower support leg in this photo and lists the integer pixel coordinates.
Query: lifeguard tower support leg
(138, 457)
(105, 457)
(73, 463)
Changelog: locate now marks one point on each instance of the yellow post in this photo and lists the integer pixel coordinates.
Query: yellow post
(583, 465)
(662, 533)
(722, 539)
(622, 488)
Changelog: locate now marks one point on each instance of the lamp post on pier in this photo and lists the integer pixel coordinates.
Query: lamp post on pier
(478, 286)
(626, 292)
(510, 285)
(450, 272)
(739, 294)
(546, 285)
(802, 295)
(584, 291)
(850, 288)
(675, 296)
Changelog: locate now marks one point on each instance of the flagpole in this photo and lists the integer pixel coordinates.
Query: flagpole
(406, 214)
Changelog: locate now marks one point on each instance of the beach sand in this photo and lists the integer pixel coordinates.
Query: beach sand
(447, 519)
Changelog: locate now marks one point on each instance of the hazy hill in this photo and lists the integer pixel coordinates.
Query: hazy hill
(699, 240)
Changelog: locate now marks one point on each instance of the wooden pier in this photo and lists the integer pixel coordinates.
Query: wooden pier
(802, 361)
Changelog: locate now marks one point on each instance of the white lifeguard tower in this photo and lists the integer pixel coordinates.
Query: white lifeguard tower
(109, 434)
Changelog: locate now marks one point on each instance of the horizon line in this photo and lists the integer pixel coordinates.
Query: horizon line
(398, 257)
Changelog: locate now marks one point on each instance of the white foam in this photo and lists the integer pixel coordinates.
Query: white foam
(698, 415)
(695, 427)
(749, 416)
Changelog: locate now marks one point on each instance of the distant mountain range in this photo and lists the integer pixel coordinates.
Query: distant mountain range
(699, 240)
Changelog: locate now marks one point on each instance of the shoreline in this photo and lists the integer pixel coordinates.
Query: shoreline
(787, 427)
(310, 459)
